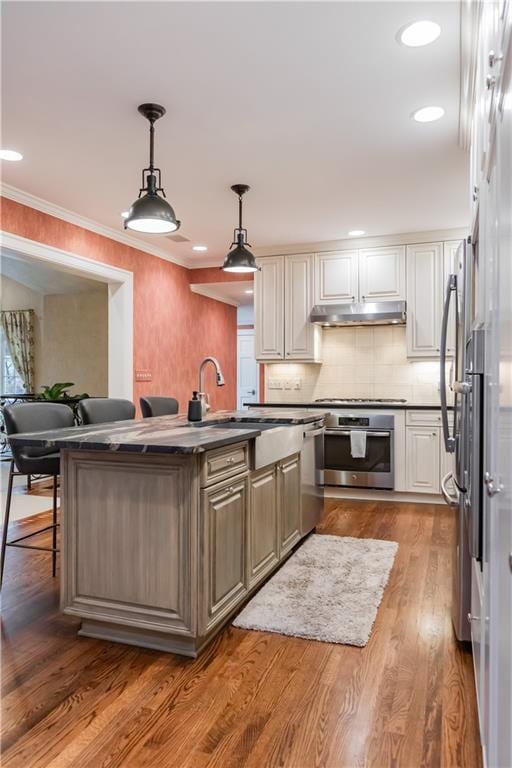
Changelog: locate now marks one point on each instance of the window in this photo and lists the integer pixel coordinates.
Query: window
(11, 382)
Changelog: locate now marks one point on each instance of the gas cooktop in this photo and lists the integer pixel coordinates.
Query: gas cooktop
(360, 400)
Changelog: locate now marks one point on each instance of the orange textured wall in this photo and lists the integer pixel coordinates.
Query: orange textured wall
(173, 327)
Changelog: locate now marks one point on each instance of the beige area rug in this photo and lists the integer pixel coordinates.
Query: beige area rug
(329, 590)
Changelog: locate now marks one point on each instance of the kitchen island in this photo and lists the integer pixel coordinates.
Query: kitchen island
(167, 527)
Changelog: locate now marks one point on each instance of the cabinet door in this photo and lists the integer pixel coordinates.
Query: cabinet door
(263, 549)
(302, 338)
(289, 503)
(382, 274)
(224, 530)
(269, 309)
(450, 268)
(336, 277)
(422, 459)
(424, 299)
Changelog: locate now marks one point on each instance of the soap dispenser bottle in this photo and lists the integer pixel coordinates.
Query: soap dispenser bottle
(194, 408)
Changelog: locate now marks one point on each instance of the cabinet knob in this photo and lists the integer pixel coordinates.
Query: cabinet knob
(230, 489)
(473, 618)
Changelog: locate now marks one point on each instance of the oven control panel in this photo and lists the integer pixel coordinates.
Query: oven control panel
(353, 421)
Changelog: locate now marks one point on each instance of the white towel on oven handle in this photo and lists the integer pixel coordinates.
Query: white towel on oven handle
(358, 443)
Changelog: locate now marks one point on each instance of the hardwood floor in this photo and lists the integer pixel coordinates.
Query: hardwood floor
(251, 700)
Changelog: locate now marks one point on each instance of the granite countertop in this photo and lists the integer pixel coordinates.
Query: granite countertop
(343, 406)
(164, 434)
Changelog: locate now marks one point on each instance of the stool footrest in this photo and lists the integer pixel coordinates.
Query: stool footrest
(29, 535)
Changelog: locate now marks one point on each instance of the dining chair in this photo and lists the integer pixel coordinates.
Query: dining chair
(100, 410)
(158, 406)
(33, 417)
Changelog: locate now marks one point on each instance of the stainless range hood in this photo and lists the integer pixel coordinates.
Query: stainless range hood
(364, 313)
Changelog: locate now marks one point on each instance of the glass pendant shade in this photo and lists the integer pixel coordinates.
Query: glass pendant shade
(239, 258)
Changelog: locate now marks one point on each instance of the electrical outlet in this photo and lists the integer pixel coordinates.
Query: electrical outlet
(288, 384)
(141, 375)
(297, 384)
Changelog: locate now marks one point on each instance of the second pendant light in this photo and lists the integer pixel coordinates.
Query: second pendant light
(239, 258)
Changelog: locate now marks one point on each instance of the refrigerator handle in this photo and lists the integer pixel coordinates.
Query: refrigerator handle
(451, 289)
(452, 501)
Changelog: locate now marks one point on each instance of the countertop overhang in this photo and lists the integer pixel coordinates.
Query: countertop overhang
(164, 434)
(369, 406)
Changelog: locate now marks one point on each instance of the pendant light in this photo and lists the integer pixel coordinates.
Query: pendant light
(151, 212)
(239, 259)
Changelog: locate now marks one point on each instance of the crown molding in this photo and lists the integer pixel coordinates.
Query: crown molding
(356, 243)
(25, 198)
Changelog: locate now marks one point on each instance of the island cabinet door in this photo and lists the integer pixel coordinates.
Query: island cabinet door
(289, 503)
(263, 548)
(224, 510)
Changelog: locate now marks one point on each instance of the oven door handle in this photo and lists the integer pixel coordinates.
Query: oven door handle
(346, 432)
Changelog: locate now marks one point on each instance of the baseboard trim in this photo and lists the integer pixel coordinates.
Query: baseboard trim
(374, 495)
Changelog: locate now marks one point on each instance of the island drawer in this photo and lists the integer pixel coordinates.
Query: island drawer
(423, 418)
(221, 463)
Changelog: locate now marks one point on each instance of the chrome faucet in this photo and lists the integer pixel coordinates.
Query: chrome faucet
(203, 397)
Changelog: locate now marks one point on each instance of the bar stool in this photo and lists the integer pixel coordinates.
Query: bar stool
(100, 410)
(158, 406)
(33, 417)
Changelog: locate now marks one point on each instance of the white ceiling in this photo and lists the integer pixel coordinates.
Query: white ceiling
(308, 102)
(41, 277)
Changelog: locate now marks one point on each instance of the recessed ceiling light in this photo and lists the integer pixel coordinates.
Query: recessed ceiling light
(125, 214)
(251, 291)
(420, 33)
(199, 247)
(11, 155)
(427, 114)
(357, 232)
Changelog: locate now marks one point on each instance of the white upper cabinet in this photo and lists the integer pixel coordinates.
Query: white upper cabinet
(301, 337)
(382, 274)
(269, 309)
(283, 300)
(425, 271)
(336, 277)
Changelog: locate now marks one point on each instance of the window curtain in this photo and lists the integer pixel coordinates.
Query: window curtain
(18, 326)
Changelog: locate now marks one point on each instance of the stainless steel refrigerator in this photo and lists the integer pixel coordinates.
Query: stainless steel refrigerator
(463, 430)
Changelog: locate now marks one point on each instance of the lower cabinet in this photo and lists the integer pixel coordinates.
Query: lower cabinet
(263, 529)
(248, 523)
(422, 459)
(289, 503)
(223, 523)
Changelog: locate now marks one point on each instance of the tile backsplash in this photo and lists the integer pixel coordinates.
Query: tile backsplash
(357, 362)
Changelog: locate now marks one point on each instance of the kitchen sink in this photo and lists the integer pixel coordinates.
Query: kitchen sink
(236, 425)
(276, 442)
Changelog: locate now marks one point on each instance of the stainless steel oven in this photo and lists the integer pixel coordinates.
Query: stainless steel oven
(376, 468)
